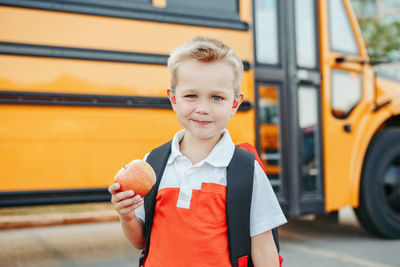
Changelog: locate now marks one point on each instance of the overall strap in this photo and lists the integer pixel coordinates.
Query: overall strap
(157, 158)
(240, 173)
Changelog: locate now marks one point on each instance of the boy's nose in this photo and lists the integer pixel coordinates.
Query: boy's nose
(202, 107)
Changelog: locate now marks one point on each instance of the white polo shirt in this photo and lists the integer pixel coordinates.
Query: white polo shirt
(265, 211)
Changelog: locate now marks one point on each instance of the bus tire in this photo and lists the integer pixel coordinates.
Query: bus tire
(379, 206)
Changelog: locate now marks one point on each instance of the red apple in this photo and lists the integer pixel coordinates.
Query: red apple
(138, 176)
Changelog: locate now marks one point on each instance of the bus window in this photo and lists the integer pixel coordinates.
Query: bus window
(346, 92)
(342, 38)
(308, 121)
(305, 34)
(268, 107)
(218, 8)
(266, 26)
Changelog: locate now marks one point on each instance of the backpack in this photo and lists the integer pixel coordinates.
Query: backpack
(238, 209)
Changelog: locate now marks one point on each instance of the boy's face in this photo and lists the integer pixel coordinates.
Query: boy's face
(204, 98)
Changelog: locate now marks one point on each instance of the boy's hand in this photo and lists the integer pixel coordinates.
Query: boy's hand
(125, 202)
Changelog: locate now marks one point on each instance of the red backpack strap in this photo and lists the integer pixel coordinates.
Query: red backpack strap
(253, 150)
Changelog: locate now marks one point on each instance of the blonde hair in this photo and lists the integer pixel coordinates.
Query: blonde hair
(206, 50)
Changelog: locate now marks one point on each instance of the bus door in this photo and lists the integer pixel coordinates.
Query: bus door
(348, 90)
(287, 78)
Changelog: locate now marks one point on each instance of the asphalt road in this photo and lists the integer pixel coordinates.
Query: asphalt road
(329, 244)
(304, 242)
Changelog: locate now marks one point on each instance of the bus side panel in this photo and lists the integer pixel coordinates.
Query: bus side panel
(58, 75)
(49, 147)
(86, 31)
(63, 147)
(55, 146)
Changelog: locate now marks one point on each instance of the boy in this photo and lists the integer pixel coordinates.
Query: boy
(189, 225)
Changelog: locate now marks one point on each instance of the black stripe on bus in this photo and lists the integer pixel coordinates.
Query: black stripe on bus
(94, 100)
(43, 197)
(23, 49)
(32, 50)
(135, 10)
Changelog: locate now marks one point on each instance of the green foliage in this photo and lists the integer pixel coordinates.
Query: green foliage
(382, 39)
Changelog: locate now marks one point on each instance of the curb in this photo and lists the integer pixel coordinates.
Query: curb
(26, 221)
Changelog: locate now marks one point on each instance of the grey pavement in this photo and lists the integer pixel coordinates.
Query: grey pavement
(89, 244)
(304, 242)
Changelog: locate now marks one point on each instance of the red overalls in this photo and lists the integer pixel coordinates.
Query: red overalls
(180, 240)
(180, 234)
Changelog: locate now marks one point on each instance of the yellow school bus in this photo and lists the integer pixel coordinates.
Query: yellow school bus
(83, 91)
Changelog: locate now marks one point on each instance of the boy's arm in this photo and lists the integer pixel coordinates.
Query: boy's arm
(263, 250)
(126, 203)
(133, 230)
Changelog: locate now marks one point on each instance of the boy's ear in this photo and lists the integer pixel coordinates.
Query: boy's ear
(236, 103)
(171, 96)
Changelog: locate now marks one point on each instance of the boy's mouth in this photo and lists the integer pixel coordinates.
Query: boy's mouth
(202, 122)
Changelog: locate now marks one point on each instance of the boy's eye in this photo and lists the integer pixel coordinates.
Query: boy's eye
(191, 96)
(217, 98)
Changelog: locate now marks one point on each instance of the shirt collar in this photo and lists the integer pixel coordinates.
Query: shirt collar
(175, 152)
(220, 156)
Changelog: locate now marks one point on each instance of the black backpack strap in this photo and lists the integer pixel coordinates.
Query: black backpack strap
(157, 158)
(240, 173)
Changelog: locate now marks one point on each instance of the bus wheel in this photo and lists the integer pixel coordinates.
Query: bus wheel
(379, 208)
